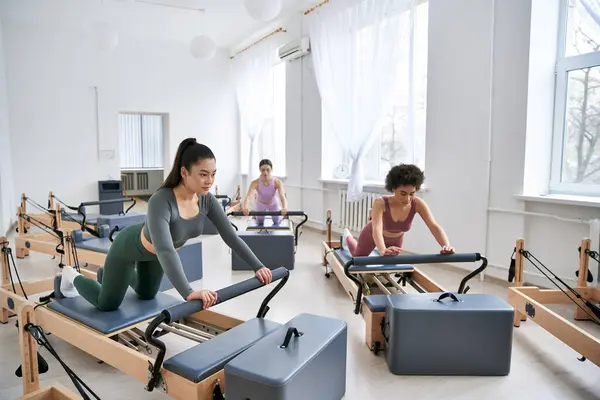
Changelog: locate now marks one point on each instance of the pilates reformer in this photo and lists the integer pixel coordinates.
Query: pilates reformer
(60, 241)
(530, 302)
(116, 338)
(91, 246)
(274, 245)
(377, 276)
(79, 220)
(369, 273)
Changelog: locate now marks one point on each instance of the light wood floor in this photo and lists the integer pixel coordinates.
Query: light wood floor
(542, 366)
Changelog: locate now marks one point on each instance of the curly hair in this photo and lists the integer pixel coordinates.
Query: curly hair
(404, 175)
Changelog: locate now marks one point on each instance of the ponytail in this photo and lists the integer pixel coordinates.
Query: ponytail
(188, 153)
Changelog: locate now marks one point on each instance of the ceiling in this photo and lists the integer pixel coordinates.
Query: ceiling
(225, 21)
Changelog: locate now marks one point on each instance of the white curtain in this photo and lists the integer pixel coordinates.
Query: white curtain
(253, 76)
(356, 49)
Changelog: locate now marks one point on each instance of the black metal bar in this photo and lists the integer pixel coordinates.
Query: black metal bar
(268, 213)
(358, 283)
(461, 287)
(416, 259)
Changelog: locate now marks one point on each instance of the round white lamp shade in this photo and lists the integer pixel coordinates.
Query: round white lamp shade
(203, 48)
(106, 36)
(263, 10)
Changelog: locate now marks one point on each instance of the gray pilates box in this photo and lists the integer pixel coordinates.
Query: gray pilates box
(273, 248)
(461, 334)
(310, 366)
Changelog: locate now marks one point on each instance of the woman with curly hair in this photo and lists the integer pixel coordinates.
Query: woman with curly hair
(392, 216)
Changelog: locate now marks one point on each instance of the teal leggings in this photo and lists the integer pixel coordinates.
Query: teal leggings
(128, 263)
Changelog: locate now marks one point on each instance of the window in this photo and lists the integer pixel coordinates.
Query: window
(575, 150)
(401, 128)
(270, 143)
(141, 141)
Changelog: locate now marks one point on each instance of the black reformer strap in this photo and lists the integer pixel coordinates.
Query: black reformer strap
(40, 337)
(193, 306)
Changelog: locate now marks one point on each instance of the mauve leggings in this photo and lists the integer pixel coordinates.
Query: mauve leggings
(366, 244)
(268, 207)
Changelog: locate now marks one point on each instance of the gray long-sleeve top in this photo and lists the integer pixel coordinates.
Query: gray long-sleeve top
(167, 230)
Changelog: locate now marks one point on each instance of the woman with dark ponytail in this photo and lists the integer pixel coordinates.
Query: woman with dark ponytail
(142, 253)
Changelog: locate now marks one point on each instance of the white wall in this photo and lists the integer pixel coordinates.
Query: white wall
(52, 73)
(7, 193)
(479, 91)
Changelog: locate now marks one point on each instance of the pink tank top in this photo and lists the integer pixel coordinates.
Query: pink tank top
(266, 194)
(396, 227)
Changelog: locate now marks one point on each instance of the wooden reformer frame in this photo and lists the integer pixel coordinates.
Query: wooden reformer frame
(530, 302)
(123, 356)
(47, 218)
(52, 392)
(52, 244)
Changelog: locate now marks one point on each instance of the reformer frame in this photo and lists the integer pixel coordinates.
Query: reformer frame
(56, 242)
(377, 281)
(276, 213)
(185, 317)
(530, 302)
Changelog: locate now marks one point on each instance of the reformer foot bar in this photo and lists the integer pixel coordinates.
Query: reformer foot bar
(358, 274)
(196, 373)
(530, 301)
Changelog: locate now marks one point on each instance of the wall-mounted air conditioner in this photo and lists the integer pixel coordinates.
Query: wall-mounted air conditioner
(295, 49)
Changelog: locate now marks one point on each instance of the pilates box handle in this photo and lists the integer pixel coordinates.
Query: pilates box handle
(288, 337)
(447, 294)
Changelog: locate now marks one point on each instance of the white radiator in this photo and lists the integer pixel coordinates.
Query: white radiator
(355, 215)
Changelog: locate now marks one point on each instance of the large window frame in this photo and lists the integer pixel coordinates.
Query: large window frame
(564, 65)
(141, 141)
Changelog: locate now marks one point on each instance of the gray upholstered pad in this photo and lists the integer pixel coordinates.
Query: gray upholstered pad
(132, 311)
(344, 256)
(376, 302)
(268, 224)
(89, 219)
(121, 221)
(100, 245)
(205, 359)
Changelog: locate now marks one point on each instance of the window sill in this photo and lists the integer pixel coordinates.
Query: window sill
(573, 200)
(283, 178)
(367, 184)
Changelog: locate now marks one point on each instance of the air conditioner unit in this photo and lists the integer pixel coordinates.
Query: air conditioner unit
(295, 49)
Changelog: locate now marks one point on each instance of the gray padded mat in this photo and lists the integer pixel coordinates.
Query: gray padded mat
(376, 302)
(205, 359)
(132, 311)
(268, 224)
(91, 219)
(99, 245)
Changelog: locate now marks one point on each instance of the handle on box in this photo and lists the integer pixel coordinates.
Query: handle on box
(288, 337)
(447, 294)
